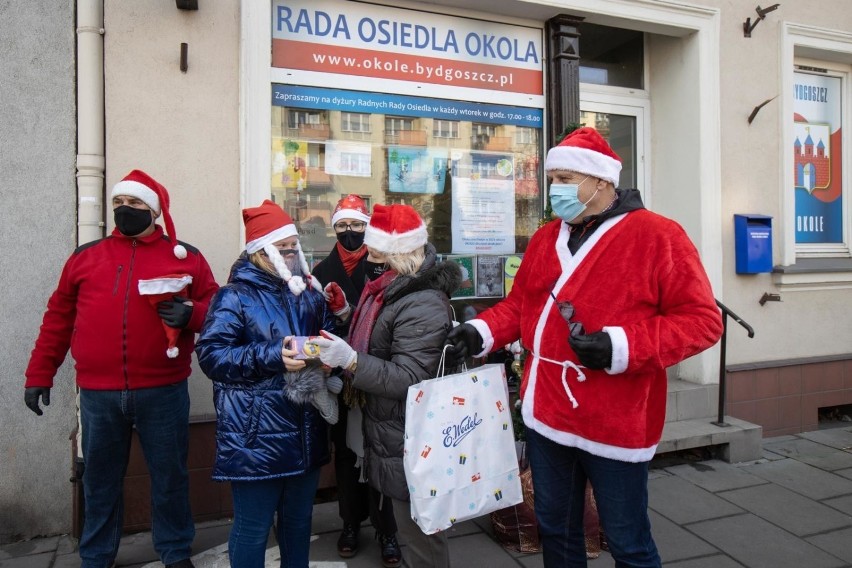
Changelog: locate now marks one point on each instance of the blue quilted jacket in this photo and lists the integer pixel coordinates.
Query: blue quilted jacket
(260, 434)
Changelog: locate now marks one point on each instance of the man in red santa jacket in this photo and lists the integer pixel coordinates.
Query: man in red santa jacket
(606, 298)
(127, 374)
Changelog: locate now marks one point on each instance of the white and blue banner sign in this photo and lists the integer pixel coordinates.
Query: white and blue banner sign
(401, 105)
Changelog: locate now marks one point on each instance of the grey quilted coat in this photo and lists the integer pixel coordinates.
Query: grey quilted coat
(405, 348)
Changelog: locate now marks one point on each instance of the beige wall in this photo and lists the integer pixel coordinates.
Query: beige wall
(182, 128)
(804, 323)
(185, 131)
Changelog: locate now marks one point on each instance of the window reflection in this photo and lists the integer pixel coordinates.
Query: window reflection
(320, 155)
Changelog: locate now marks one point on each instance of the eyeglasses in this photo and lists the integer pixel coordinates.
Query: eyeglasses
(357, 226)
(566, 310)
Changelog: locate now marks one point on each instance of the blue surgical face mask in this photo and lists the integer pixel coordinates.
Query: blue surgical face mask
(564, 201)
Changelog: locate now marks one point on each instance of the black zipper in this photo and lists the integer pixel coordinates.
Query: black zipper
(126, 304)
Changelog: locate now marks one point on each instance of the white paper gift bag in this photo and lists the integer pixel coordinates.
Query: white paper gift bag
(460, 459)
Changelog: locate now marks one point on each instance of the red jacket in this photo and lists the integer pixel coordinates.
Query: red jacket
(116, 338)
(640, 279)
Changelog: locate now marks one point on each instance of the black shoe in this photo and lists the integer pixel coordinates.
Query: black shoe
(185, 563)
(347, 544)
(391, 554)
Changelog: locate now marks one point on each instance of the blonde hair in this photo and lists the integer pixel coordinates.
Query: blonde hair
(261, 261)
(406, 264)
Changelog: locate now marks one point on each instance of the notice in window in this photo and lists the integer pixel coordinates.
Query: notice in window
(483, 203)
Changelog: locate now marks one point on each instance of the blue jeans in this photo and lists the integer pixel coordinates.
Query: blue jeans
(621, 491)
(255, 505)
(161, 417)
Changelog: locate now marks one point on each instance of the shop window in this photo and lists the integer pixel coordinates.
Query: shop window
(449, 124)
(815, 227)
(821, 222)
(612, 56)
(480, 194)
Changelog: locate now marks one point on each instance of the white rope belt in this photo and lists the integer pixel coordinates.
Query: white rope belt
(581, 376)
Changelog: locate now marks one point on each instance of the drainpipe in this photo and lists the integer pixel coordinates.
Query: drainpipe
(90, 121)
(90, 178)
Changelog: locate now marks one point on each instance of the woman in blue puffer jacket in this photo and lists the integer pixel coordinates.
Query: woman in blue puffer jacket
(270, 440)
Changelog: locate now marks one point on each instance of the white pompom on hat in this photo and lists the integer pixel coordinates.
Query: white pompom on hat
(585, 151)
(395, 229)
(266, 225)
(350, 207)
(140, 185)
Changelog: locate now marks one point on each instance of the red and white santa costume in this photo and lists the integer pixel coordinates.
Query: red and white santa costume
(639, 278)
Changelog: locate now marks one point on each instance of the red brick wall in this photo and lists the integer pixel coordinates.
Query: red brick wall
(785, 399)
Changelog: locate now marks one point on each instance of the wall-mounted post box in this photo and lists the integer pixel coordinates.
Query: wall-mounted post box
(753, 242)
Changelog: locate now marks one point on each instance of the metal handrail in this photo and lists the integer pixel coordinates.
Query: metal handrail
(726, 311)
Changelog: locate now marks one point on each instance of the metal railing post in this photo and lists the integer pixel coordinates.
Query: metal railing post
(720, 421)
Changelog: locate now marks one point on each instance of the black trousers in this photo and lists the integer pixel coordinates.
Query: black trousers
(357, 501)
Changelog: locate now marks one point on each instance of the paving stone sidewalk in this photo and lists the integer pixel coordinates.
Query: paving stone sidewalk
(790, 509)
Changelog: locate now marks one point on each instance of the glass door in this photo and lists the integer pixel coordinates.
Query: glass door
(624, 126)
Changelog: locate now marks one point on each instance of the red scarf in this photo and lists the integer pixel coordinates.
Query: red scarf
(350, 258)
(363, 321)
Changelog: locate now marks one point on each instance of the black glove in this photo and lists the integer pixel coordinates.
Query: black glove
(593, 350)
(174, 312)
(31, 395)
(464, 341)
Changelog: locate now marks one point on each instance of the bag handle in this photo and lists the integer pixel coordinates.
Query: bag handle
(441, 363)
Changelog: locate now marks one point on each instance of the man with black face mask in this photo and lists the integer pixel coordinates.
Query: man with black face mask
(346, 270)
(132, 359)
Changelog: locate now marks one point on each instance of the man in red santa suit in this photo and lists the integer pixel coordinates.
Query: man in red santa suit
(607, 297)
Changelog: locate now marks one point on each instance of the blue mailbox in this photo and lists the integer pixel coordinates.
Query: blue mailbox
(753, 241)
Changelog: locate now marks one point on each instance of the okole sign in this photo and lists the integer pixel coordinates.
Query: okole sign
(350, 38)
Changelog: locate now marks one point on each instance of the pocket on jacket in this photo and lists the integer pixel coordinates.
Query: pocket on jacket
(253, 424)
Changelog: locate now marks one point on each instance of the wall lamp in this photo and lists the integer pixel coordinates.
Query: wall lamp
(187, 4)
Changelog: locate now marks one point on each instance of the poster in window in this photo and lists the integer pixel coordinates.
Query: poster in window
(817, 159)
(416, 170)
(511, 264)
(483, 205)
(345, 158)
(289, 164)
(489, 276)
(466, 288)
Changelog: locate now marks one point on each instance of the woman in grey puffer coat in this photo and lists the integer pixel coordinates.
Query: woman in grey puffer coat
(395, 340)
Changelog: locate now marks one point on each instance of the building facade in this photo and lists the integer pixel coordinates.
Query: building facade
(449, 106)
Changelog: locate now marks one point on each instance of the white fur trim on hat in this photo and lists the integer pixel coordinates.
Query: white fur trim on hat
(166, 285)
(584, 161)
(138, 190)
(395, 243)
(272, 237)
(349, 214)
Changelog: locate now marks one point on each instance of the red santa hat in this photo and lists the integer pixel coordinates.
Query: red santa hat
(140, 185)
(267, 224)
(586, 152)
(395, 229)
(161, 289)
(350, 207)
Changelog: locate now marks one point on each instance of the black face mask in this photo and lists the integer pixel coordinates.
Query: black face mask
(131, 221)
(374, 269)
(350, 240)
